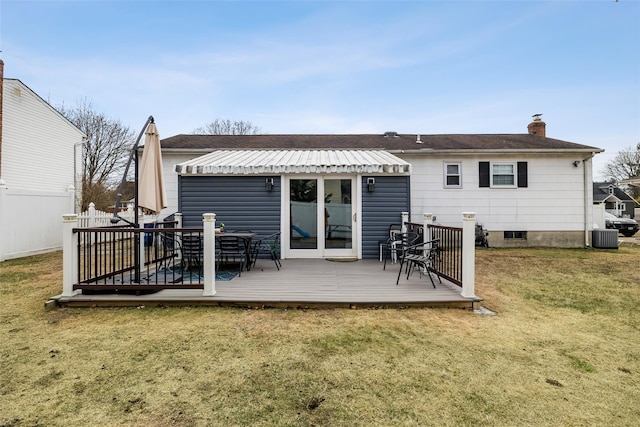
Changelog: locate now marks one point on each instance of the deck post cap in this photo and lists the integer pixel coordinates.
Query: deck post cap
(209, 217)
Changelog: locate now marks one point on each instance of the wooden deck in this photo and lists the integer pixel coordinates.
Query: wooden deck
(301, 283)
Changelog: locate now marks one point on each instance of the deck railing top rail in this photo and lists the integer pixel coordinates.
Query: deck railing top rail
(130, 229)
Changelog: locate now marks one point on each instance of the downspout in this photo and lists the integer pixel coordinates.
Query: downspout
(1, 102)
(587, 188)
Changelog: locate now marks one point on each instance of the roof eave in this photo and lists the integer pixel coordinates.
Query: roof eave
(498, 151)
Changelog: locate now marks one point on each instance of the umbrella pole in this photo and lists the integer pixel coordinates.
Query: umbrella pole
(133, 156)
(116, 218)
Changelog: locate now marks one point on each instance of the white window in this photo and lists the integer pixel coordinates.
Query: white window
(452, 175)
(503, 174)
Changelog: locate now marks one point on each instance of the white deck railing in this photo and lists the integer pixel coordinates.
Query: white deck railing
(70, 243)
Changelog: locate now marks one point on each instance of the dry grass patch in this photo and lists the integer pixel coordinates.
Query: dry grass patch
(564, 349)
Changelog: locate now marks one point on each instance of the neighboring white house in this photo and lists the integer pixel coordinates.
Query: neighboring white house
(37, 172)
(526, 189)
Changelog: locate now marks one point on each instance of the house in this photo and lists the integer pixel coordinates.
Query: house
(39, 157)
(335, 195)
(633, 182)
(615, 200)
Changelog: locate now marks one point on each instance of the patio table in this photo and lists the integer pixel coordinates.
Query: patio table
(246, 239)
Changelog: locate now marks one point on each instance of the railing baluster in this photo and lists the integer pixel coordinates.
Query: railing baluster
(106, 258)
(449, 260)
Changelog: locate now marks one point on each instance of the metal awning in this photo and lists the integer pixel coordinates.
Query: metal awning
(245, 162)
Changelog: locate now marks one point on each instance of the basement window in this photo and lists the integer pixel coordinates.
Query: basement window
(515, 235)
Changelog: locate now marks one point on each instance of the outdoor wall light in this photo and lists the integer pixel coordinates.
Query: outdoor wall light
(371, 185)
(576, 163)
(269, 184)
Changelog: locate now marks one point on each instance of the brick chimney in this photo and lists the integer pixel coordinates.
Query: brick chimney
(537, 126)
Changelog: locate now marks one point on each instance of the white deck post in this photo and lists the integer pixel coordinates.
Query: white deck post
(427, 220)
(209, 225)
(69, 260)
(468, 254)
(405, 219)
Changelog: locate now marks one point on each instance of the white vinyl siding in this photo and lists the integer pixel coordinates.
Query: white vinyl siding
(169, 162)
(553, 200)
(38, 169)
(37, 142)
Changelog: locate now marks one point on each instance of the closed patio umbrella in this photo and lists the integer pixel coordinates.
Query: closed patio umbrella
(151, 193)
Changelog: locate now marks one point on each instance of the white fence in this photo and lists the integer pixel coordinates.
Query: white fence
(30, 221)
(93, 218)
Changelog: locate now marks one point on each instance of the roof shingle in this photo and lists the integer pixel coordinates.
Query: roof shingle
(402, 142)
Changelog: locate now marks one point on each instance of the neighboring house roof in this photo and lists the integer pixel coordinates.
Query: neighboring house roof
(294, 161)
(392, 142)
(602, 194)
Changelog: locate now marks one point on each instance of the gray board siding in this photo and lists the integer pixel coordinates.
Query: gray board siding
(242, 203)
(239, 202)
(381, 208)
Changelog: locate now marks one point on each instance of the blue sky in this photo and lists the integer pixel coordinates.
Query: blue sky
(425, 67)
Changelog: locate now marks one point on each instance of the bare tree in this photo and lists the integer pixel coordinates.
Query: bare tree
(104, 155)
(228, 127)
(625, 165)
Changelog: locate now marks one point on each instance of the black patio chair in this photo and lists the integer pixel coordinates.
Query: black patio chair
(192, 251)
(383, 245)
(168, 250)
(234, 248)
(269, 245)
(396, 244)
(169, 266)
(421, 257)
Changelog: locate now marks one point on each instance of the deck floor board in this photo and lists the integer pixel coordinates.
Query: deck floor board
(300, 282)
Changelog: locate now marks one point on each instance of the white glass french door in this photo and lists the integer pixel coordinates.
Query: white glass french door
(322, 217)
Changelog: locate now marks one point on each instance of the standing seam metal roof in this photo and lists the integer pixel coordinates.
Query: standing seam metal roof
(246, 162)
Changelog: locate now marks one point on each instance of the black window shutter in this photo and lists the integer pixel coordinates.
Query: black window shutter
(484, 178)
(522, 174)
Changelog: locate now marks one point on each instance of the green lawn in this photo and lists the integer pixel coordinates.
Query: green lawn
(563, 349)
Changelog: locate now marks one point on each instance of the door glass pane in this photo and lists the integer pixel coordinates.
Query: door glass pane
(303, 213)
(337, 213)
